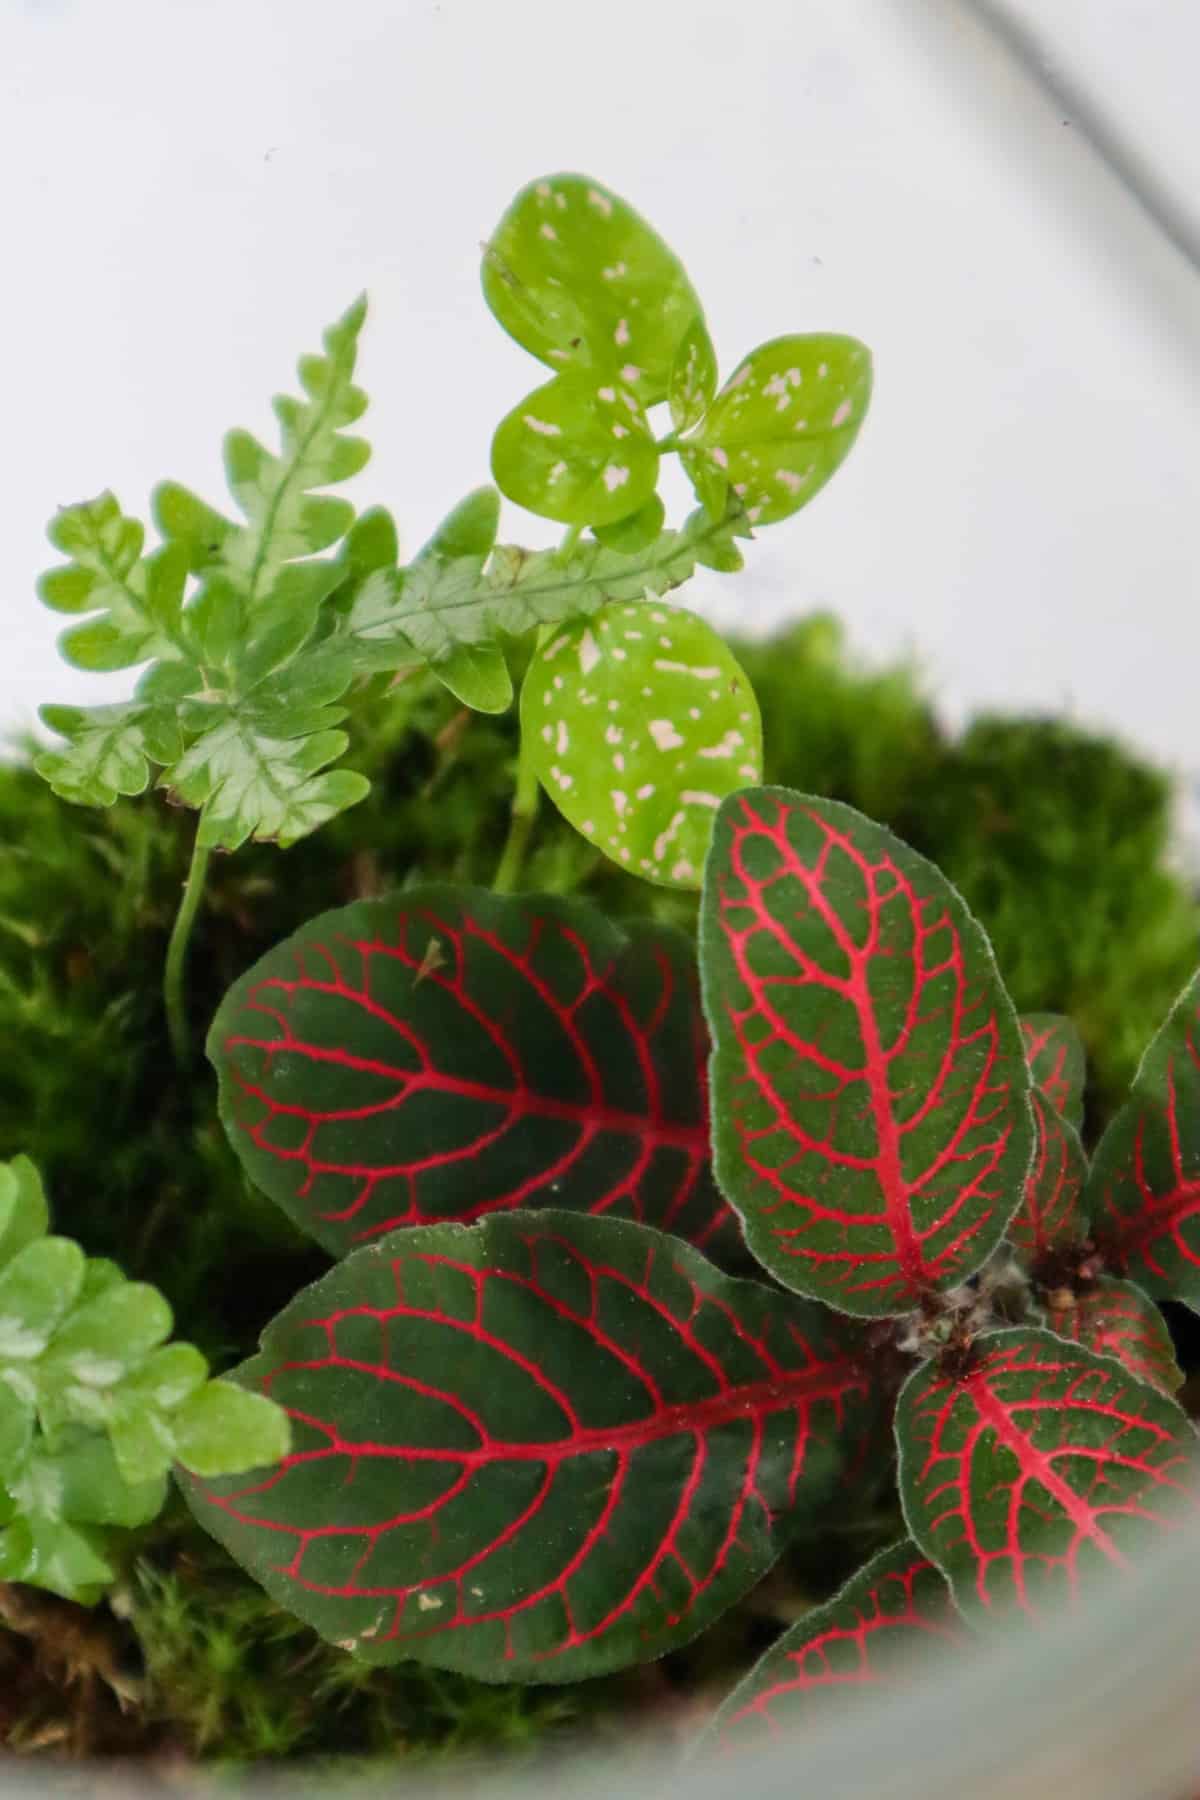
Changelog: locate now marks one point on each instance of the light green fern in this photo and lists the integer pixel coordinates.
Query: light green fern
(95, 1404)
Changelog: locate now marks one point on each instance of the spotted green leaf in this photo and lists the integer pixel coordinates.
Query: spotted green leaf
(783, 422)
(578, 278)
(642, 723)
(693, 376)
(577, 451)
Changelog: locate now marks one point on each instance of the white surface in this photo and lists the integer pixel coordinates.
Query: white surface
(192, 190)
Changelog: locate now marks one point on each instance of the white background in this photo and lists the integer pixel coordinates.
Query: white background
(192, 188)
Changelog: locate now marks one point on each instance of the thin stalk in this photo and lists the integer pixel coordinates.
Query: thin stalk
(524, 812)
(174, 971)
(570, 538)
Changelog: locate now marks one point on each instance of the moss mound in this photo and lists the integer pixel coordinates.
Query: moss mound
(1057, 838)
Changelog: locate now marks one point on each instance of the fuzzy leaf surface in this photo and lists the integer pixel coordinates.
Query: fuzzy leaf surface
(576, 276)
(536, 1448)
(1050, 1216)
(785, 421)
(870, 1091)
(1042, 1470)
(1114, 1318)
(1143, 1194)
(447, 1053)
(1057, 1062)
(881, 1630)
(641, 722)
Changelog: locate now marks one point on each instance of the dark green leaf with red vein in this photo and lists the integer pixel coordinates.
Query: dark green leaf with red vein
(1040, 1472)
(870, 1091)
(1057, 1062)
(448, 1052)
(881, 1630)
(1050, 1217)
(1143, 1195)
(536, 1448)
(1114, 1318)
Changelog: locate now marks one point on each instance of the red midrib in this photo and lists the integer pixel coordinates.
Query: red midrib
(1034, 1464)
(891, 1170)
(827, 1381)
(518, 1102)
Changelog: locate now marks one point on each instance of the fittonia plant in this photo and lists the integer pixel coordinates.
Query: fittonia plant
(645, 1253)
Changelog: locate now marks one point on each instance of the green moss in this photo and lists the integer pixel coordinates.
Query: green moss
(1058, 838)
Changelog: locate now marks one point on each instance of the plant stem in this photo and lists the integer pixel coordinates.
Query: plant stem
(571, 537)
(174, 983)
(524, 812)
(670, 442)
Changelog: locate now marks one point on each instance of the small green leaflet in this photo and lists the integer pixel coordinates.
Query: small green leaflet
(235, 708)
(110, 751)
(575, 275)
(251, 783)
(637, 532)
(94, 1404)
(641, 723)
(476, 674)
(783, 423)
(577, 450)
(134, 600)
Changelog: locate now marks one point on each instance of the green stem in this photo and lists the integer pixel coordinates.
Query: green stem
(174, 983)
(672, 441)
(571, 537)
(524, 812)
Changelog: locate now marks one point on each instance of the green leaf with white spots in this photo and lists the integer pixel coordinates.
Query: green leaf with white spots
(693, 376)
(577, 451)
(579, 279)
(708, 479)
(784, 421)
(642, 723)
